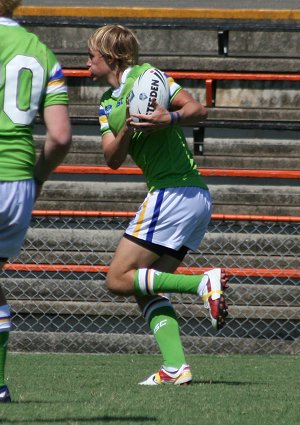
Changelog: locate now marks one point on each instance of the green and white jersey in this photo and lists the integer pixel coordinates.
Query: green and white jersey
(163, 156)
(30, 80)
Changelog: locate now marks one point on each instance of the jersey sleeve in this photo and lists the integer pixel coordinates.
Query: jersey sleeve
(56, 92)
(103, 121)
(174, 87)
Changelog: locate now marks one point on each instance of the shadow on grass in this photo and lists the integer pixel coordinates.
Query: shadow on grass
(96, 419)
(237, 383)
(21, 402)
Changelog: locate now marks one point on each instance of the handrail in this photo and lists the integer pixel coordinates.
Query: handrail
(86, 268)
(159, 12)
(208, 172)
(199, 75)
(209, 77)
(129, 214)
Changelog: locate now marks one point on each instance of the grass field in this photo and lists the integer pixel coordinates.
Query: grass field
(102, 389)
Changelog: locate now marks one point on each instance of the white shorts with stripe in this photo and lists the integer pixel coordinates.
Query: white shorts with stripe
(173, 217)
(16, 203)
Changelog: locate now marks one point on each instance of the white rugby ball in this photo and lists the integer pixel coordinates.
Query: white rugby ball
(152, 83)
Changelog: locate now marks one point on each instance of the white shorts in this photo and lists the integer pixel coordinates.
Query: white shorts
(16, 203)
(173, 217)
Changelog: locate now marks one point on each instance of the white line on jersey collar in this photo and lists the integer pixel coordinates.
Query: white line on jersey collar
(118, 90)
(8, 22)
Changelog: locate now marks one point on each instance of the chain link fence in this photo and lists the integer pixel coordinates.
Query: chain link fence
(57, 291)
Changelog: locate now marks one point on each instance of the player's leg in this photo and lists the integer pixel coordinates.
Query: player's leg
(5, 325)
(128, 278)
(159, 225)
(157, 310)
(175, 218)
(17, 199)
(161, 317)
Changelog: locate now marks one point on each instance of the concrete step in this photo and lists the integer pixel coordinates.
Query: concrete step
(182, 44)
(192, 45)
(94, 290)
(131, 310)
(102, 317)
(66, 305)
(92, 245)
(226, 148)
(231, 196)
(284, 149)
(89, 342)
(253, 100)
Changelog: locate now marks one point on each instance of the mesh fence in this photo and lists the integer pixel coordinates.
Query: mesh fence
(59, 299)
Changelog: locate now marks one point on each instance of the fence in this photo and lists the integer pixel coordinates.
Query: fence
(60, 302)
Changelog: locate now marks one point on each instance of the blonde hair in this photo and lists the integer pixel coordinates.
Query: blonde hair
(7, 7)
(116, 43)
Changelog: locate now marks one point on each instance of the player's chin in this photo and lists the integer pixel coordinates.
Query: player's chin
(94, 77)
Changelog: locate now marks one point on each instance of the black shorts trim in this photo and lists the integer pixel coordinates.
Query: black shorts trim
(159, 249)
(3, 260)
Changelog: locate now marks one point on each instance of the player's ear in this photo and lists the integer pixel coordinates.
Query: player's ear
(110, 61)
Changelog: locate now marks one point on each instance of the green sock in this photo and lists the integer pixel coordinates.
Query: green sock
(3, 351)
(164, 325)
(150, 281)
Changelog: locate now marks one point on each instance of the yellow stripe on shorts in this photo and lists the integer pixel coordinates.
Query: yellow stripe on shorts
(139, 223)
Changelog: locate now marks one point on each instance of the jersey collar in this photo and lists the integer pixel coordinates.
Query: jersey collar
(8, 22)
(117, 92)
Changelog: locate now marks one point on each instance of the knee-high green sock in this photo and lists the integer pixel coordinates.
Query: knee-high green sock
(3, 351)
(150, 281)
(163, 323)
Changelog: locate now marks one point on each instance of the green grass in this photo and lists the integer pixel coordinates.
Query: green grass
(102, 389)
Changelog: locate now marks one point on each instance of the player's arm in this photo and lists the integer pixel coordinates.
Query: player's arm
(57, 143)
(188, 110)
(115, 148)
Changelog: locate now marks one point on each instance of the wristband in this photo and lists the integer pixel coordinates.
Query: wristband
(175, 117)
(172, 117)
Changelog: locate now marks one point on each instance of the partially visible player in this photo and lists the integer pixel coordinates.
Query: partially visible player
(31, 79)
(177, 210)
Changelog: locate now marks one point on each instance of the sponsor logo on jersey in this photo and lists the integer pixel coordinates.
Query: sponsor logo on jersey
(108, 109)
(119, 103)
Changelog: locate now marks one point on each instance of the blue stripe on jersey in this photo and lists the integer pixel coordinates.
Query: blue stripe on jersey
(57, 75)
(101, 111)
(155, 215)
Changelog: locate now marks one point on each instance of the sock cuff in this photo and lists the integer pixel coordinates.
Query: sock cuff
(154, 304)
(143, 281)
(5, 316)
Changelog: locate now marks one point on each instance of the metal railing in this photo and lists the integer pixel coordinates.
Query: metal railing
(57, 286)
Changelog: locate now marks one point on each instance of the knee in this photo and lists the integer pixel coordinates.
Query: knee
(112, 285)
(119, 284)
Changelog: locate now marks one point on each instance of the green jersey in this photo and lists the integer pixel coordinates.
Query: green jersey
(163, 156)
(30, 80)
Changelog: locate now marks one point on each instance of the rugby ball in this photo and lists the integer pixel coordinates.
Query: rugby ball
(152, 83)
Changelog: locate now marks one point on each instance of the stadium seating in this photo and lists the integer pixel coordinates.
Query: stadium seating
(249, 152)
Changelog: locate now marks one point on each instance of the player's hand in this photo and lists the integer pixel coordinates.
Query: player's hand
(159, 118)
(128, 128)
